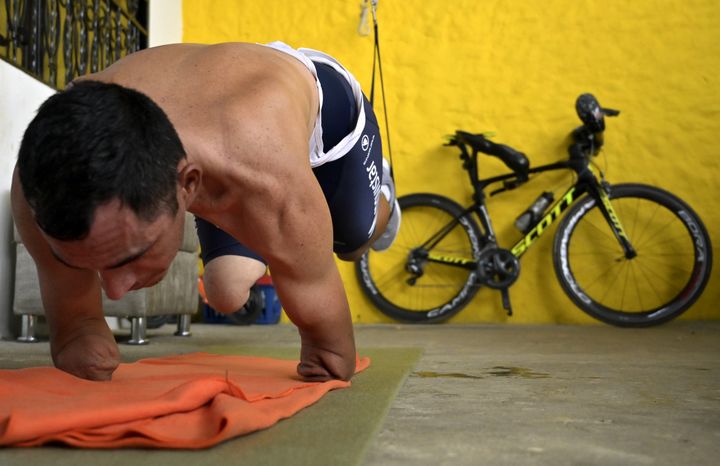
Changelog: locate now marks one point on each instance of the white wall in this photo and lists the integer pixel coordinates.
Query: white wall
(165, 18)
(20, 96)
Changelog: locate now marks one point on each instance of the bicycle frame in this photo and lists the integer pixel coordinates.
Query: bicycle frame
(587, 183)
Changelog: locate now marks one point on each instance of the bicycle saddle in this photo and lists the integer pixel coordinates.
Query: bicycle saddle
(514, 159)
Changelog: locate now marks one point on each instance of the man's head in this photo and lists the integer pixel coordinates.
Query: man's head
(90, 145)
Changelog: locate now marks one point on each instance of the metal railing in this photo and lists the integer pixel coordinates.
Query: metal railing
(57, 40)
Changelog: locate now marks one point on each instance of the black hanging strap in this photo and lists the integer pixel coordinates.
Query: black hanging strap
(377, 63)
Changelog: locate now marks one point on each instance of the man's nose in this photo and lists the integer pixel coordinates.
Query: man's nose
(116, 283)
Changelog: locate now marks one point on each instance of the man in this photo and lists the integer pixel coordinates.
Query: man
(276, 152)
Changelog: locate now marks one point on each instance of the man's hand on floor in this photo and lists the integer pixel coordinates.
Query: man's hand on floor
(320, 362)
(90, 356)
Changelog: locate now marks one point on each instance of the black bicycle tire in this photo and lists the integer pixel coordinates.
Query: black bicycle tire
(691, 291)
(438, 313)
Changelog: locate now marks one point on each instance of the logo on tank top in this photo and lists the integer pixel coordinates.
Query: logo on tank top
(365, 143)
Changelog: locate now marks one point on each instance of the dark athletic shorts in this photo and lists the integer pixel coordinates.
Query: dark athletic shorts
(351, 184)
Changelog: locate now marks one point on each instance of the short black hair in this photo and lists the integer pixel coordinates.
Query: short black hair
(90, 144)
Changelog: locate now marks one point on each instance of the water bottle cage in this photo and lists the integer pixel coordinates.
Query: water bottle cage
(534, 213)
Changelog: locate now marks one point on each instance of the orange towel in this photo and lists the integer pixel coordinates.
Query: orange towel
(189, 401)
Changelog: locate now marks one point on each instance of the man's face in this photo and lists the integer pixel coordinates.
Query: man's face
(126, 252)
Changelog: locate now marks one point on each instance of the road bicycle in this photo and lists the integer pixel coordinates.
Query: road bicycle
(631, 255)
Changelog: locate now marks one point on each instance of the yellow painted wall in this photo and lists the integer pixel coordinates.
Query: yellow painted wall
(515, 67)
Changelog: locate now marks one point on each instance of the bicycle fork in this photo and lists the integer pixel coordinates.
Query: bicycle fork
(602, 191)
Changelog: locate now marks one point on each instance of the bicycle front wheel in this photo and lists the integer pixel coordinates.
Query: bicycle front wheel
(441, 290)
(668, 274)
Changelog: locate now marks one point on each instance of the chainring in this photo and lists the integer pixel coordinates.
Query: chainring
(498, 268)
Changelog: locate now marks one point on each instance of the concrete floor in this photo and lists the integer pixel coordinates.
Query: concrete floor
(506, 394)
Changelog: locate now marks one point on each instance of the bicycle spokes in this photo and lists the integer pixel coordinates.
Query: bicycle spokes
(662, 256)
(413, 276)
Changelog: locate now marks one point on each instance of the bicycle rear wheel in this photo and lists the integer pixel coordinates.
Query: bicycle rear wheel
(667, 276)
(442, 290)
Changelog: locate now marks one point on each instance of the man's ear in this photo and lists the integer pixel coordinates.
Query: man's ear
(189, 180)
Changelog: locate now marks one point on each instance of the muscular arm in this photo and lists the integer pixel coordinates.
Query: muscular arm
(284, 217)
(80, 341)
(297, 242)
(312, 293)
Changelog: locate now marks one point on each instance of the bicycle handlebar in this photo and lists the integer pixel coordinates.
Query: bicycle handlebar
(588, 139)
(514, 159)
(592, 114)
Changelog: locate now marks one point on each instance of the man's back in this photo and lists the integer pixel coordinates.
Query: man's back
(192, 82)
